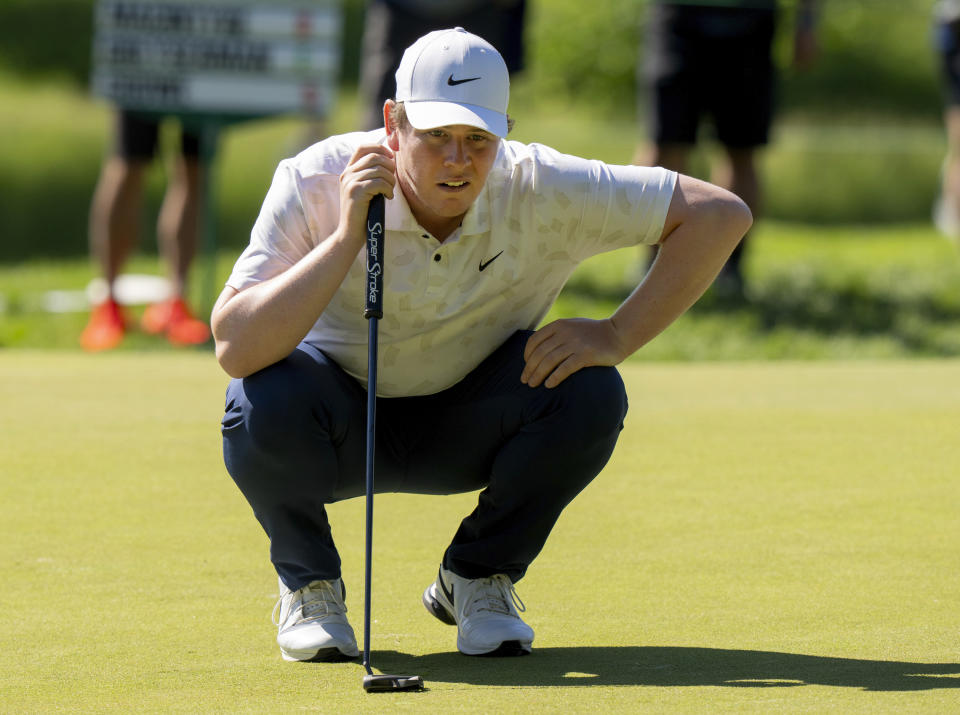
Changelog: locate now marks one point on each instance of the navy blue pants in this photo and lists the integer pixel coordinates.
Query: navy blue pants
(294, 440)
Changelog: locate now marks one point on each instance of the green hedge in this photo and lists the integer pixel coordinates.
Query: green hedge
(44, 38)
(876, 68)
(876, 53)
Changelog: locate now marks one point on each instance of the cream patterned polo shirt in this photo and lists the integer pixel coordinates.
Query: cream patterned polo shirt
(446, 306)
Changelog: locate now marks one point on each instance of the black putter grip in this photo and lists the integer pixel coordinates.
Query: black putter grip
(374, 291)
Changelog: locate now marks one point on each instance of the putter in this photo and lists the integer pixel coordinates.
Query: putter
(373, 312)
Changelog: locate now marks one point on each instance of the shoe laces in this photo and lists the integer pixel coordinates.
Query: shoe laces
(495, 594)
(313, 602)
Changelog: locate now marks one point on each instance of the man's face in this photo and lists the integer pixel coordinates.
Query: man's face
(441, 171)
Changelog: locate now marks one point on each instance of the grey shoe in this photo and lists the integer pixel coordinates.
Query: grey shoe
(313, 624)
(484, 610)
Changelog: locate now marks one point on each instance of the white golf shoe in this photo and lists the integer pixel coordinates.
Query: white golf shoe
(313, 623)
(484, 610)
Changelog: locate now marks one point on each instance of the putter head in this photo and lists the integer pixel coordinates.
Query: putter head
(389, 683)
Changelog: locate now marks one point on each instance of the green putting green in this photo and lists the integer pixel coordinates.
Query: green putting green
(767, 537)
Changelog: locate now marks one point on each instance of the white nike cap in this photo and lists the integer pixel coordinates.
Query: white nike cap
(453, 77)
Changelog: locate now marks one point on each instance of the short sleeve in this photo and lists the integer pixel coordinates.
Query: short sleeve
(599, 207)
(280, 235)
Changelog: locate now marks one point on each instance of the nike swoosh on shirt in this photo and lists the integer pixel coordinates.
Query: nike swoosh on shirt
(484, 264)
(454, 82)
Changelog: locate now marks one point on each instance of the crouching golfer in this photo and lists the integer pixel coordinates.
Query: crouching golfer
(481, 234)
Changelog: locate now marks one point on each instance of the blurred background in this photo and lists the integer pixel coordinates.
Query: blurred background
(847, 262)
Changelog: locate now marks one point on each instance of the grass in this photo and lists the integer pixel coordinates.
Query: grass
(820, 286)
(767, 537)
(814, 293)
(816, 170)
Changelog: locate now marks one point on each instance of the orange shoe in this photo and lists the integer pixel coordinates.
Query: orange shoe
(182, 327)
(105, 329)
(156, 317)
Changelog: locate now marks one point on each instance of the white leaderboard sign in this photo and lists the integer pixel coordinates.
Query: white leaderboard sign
(218, 57)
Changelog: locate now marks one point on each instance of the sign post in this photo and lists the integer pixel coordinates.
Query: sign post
(213, 63)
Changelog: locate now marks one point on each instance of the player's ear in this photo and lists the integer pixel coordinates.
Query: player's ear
(390, 125)
(387, 108)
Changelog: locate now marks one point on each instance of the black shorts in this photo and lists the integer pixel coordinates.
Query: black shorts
(136, 137)
(711, 61)
(947, 38)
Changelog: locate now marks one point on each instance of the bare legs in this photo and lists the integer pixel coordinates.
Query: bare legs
(738, 173)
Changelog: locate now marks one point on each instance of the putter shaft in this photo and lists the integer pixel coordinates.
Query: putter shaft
(373, 312)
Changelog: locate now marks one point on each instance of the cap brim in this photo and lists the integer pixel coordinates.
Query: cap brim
(427, 115)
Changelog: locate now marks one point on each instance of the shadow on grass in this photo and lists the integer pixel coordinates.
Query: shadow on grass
(671, 667)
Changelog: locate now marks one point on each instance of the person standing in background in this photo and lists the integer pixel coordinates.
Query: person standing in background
(115, 228)
(712, 58)
(946, 214)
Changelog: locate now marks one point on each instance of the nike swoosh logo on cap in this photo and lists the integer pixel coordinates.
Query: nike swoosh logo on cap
(454, 82)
